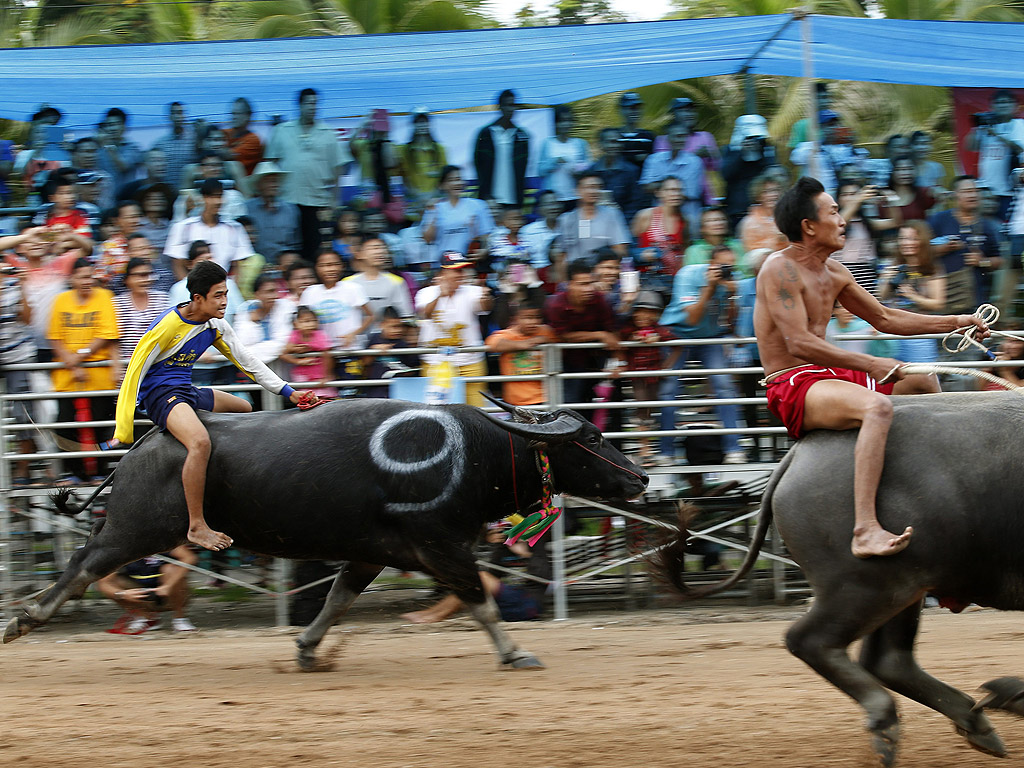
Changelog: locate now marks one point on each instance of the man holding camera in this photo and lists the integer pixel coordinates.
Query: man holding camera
(998, 138)
(703, 307)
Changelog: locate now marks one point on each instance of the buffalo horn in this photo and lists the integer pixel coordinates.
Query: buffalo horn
(563, 427)
(519, 414)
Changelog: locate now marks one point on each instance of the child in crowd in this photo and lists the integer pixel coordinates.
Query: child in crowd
(643, 327)
(520, 354)
(307, 338)
(347, 234)
(1009, 349)
(392, 334)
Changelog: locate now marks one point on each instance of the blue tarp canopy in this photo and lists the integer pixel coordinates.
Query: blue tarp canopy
(453, 70)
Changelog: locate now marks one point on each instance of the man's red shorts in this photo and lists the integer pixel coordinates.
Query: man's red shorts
(786, 392)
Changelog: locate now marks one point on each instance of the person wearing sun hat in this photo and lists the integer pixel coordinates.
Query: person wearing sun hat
(449, 310)
(277, 222)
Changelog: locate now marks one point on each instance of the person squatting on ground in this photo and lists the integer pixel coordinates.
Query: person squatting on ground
(147, 586)
(815, 385)
(159, 377)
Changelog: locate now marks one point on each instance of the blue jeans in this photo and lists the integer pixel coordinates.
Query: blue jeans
(710, 356)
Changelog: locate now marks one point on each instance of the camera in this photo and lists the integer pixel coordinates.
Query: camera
(8, 269)
(901, 275)
(984, 118)
(725, 272)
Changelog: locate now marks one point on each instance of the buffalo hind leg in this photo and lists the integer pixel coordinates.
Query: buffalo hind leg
(98, 558)
(888, 654)
(821, 638)
(348, 585)
(457, 569)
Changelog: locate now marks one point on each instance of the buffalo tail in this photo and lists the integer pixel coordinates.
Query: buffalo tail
(667, 563)
(62, 499)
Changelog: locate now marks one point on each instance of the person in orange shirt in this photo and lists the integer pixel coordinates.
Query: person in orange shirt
(520, 354)
(246, 147)
(83, 329)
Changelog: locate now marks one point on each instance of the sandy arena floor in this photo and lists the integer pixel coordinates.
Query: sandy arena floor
(693, 689)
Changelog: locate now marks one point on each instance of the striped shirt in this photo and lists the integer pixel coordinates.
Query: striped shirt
(133, 322)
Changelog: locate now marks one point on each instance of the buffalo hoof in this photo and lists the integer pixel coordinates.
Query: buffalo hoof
(306, 657)
(885, 740)
(984, 741)
(525, 661)
(17, 627)
(1006, 693)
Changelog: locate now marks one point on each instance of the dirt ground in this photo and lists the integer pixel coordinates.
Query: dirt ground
(672, 687)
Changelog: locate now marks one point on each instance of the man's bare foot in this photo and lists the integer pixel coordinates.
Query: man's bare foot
(204, 536)
(421, 617)
(877, 541)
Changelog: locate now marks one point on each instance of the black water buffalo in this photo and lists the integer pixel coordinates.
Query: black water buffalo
(954, 470)
(371, 482)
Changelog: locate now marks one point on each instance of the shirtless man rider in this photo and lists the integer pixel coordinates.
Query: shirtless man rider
(815, 385)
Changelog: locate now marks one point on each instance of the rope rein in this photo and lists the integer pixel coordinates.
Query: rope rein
(989, 315)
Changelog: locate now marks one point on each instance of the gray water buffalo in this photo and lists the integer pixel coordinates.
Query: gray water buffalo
(371, 482)
(954, 470)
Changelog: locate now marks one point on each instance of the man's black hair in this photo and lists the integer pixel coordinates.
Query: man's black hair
(203, 277)
(820, 88)
(136, 236)
(563, 110)
(134, 263)
(588, 174)
(80, 262)
(604, 253)
(174, 104)
(307, 92)
(117, 112)
(525, 306)
(55, 182)
(545, 192)
(389, 313)
(120, 205)
(508, 208)
(1003, 93)
(577, 267)
(918, 134)
(79, 142)
(208, 153)
(508, 92)
(796, 204)
(198, 248)
(248, 104)
(211, 188)
(296, 265)
(963, 177)
(447, 171)
(364, 239)
(601, 133)
(262, 279)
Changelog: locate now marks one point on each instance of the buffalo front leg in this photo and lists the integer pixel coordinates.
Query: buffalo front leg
(888, 654)
(457, 569)
(348, 585)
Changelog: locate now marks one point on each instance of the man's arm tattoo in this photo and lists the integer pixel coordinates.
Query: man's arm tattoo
(786, 298)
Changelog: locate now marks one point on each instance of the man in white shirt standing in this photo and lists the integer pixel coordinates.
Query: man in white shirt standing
(449, 312)
(228, 241)
(312, 158)
(998, 137)
(500, 156)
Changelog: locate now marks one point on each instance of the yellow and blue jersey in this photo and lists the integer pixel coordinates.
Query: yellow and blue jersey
(165, 355)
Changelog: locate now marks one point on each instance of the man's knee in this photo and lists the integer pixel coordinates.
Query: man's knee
(878, 408)
(198, 444)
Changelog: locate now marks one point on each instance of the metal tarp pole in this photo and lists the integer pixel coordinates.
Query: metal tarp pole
(813, 129)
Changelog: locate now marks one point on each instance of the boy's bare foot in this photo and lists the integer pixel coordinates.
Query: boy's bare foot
(419, 617)
(204, 536)
(877, 541)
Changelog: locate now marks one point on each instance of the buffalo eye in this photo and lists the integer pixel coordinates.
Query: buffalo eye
(594, 440)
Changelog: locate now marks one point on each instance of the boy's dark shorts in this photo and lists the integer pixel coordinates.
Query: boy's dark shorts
(159, 402)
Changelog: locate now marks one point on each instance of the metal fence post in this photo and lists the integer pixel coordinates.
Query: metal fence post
(281, 568)
(6, 532)
(558, 563)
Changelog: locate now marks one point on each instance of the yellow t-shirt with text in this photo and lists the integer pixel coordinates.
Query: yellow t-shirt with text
(76, 325)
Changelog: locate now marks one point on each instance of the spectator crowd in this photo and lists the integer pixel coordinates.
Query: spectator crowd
(625, 236)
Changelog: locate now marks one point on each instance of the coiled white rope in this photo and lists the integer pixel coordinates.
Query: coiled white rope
(989, 315)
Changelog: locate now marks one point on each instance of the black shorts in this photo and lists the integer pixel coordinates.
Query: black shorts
(160, 401)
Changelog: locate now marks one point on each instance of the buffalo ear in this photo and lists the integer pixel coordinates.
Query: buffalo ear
(560, 428)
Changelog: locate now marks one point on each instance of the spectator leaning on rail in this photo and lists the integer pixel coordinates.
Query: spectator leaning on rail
(449, 311)
(519, 354)
(702, 307)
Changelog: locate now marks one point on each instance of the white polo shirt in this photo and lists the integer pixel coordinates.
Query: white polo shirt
(228, 240)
